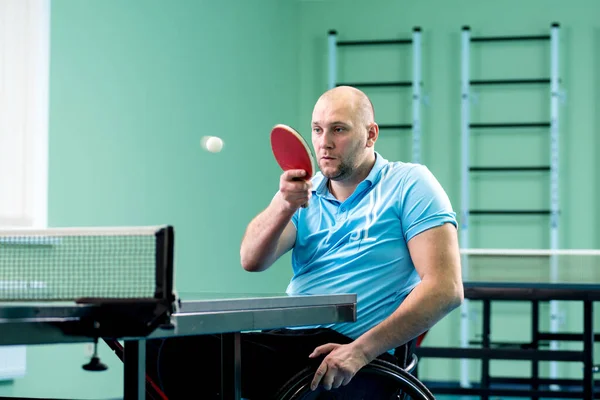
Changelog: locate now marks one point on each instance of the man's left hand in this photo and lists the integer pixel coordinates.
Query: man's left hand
(340, 365)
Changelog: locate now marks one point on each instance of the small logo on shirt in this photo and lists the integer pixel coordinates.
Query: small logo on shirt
(362, 235)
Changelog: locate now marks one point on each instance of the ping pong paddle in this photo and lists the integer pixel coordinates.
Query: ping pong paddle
(291, 151)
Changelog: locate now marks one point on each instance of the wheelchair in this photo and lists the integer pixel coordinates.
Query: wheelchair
(378, 372)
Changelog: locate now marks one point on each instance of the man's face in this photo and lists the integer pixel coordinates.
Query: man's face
(339, 137)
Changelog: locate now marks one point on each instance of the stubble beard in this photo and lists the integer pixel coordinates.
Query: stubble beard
(343, 171)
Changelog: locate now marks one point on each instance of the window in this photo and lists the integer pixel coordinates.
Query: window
(24, 70)
(24, 76)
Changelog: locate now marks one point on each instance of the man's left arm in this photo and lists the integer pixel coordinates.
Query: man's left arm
(436, 257)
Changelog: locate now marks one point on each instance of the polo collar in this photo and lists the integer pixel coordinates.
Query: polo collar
(320, 182)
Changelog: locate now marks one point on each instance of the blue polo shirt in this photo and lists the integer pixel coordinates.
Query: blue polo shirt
(360, 245)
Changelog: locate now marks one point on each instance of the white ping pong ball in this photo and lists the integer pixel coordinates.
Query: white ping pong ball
(213, 144)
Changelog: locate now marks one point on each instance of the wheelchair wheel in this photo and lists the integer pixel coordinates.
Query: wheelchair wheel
(298, 387)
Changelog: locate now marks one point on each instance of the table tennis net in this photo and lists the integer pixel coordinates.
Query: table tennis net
(577, 266)
(73, 263)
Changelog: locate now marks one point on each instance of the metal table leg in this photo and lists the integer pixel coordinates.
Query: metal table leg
(588, 349)
(134, 360)
(535, 342)
(231, 366)
(485, 362)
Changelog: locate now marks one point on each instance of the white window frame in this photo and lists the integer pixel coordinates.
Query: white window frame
(24, 109)
(24, 105)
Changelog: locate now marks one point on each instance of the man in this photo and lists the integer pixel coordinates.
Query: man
(385, 231)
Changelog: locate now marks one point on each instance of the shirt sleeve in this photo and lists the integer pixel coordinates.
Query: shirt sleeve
(424, 204)
(295, 218)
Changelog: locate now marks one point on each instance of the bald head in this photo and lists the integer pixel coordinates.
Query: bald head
(351, 97)
(344, 133)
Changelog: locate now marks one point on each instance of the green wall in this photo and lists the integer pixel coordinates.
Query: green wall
(136, 84)
(441, 23)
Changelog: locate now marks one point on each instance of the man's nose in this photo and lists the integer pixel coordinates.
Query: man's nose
(325, 141)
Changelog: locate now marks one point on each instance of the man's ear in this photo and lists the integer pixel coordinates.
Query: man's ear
(372, 134)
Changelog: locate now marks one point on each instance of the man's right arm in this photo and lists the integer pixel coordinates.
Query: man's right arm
(271, 233)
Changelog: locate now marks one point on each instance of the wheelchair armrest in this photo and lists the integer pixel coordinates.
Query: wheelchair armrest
(412, 364)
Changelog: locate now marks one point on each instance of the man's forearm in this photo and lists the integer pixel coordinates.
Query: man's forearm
(428, 302)
(261, 238)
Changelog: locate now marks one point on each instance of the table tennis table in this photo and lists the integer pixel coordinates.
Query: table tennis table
(533, 277)
(198, 314)
(45, 298)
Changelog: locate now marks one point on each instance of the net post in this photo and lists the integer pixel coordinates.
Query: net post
(165, 244)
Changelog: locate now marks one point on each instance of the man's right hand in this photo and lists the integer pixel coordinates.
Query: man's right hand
(294, 190)
(271, 233)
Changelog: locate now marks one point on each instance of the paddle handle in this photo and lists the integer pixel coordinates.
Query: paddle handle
(301, 179)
